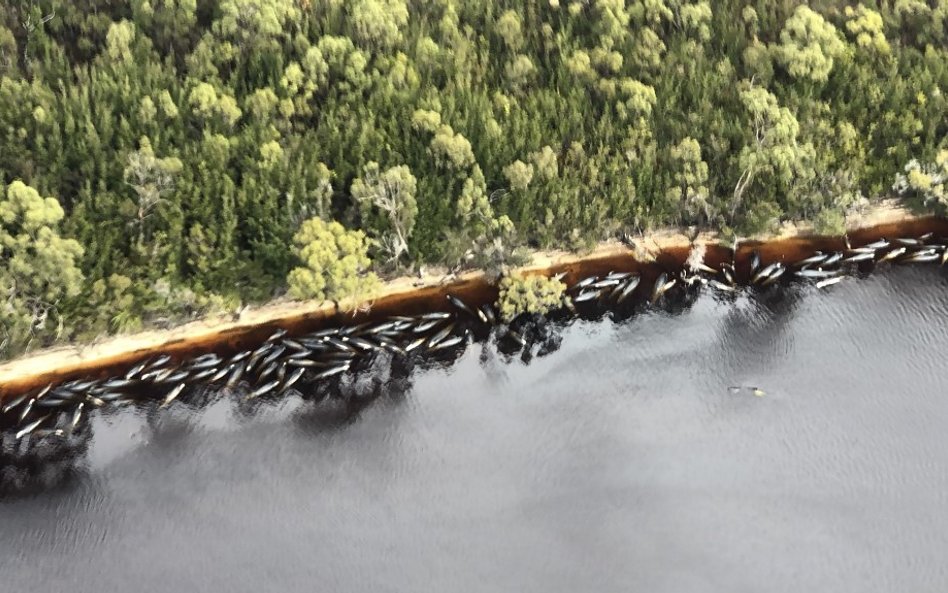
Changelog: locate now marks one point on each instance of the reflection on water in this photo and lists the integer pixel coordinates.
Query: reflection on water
(617, 460)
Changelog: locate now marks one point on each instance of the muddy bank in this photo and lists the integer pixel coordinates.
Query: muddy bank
(653, 255)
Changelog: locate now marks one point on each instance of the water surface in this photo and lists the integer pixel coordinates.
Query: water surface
(620, 462)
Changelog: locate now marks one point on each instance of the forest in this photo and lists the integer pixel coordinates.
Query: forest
(162, 159)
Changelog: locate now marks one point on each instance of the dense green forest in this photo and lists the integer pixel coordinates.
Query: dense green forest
(162, 158)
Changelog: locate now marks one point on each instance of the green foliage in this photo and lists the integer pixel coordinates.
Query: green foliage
(387, 203)
(809, 45)
(113, 306)
(509, 27)
(207, 104)
(379, 23)
(481, 238)
(450, 149)
(186, 140)
(763, 218)
(38, 268)
(519, 175)
(244, 19)
(520, 71)
(695, 17)
(151, 179)
(690, 180)
(335, 263)
(866, 26)
(774, 155)
(831, 223)
(529, 294)
(928, 182)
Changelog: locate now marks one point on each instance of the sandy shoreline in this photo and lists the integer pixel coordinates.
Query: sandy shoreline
(70, 359)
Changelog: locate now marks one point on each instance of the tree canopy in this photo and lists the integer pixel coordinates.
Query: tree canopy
(335, 263)
(188, 142)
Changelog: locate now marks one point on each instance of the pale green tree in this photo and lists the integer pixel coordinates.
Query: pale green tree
(611, 22)
(520, 71)
(428, 55)
(809, 45)
(759, 61)
(928, 182)
(38, 268)
(695, 18)
(426, 120)
(167, 105)
(451, 149)
(402, 74)
(648, 49)
(533, 294)
(335, 263)
(912, 8)
(473, 215)
(151, 178)
(8, 48)
(271, 154)
(636, 98)
(333, 63)
(474, 211)
(147, 110)
(503, 103)
(606, 61)
(690, 181)
(866, 26)
(299, 86)
(322, 193)
(545, 163)
(923, 21)
(119, 40)
(500, 248)
(510, 29)
(774, 149)
(751, 20)
(386, 200)
(228, 110)
(246, 19)
(650, 12)
(113, 303)
(648, 18)
(316, 67)
(379, 23)
(480, 238)
(519, 174)
(166, 21)
(208, 104)
(261, 104)
(579, 64)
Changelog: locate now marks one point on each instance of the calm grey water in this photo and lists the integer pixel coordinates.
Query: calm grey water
(621, 462)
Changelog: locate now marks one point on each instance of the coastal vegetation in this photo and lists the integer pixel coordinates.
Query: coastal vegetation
(529, 294)
(164, 158)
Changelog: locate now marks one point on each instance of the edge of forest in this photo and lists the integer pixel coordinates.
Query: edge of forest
(71, 358)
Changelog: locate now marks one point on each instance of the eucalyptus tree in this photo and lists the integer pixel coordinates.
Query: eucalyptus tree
(38, 268)
(335, 263)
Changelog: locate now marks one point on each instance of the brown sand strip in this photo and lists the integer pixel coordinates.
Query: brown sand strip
(656, 252)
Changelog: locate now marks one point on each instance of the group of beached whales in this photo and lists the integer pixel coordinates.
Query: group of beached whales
(823, 268)
(317, 362)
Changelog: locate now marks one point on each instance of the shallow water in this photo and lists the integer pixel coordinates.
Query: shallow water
(620, 462)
